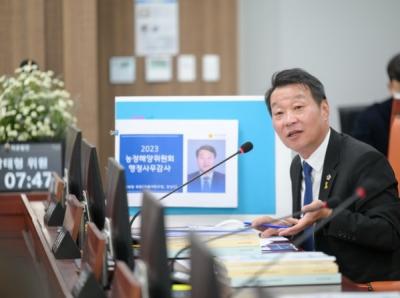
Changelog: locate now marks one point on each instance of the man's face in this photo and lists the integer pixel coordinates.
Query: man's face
(205, 160)
(298, 120)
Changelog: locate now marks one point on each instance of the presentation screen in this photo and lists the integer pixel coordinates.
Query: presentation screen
(163, 142)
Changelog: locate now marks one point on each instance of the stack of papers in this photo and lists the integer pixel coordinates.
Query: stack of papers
(245, 242)
(277, 269)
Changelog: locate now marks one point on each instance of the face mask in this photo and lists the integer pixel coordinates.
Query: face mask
(396, 95)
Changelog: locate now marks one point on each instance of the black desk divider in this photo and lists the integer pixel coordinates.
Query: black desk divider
(64, 247)
(87, 285)
(55, 210)
(54, 215)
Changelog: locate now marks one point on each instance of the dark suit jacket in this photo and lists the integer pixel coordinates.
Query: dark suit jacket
(372, 125)
(217, 182)
(365, 238)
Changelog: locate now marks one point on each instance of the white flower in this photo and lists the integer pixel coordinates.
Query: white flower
(25, 111)
(33, 105)
(11, 113)
(12, 133)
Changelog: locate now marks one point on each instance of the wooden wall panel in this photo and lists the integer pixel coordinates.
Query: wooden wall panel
(31, 29)
(81, 64)
(54, 36)
(21, 33)
(77, 38)
(205, 27)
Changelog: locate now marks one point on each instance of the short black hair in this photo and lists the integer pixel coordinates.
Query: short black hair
(393, 68)
(208, 148)
(296, 76)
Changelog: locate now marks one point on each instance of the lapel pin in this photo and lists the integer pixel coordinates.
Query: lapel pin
(327, 179)
(326, 185)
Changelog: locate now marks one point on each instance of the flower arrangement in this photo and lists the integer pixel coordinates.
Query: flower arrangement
(34, 106)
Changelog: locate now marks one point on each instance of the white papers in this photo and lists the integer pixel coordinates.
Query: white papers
(158, 69)
(211, 68)
(186, 68)
(269, 240)
(156, 27)
(122, 70)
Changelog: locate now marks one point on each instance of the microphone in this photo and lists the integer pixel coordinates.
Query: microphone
(246, 147)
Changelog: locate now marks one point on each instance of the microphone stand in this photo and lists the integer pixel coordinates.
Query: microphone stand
(240, 151)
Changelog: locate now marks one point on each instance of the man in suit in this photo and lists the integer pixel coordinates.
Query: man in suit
(211, 182)
(365, 237)
(373, 124)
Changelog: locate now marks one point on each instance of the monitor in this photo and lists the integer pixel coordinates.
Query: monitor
(153, 249)
(72, 168)
(92, 185)
(254, 124)
(120, 228)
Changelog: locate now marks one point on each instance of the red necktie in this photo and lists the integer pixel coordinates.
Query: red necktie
(394, 139)
(395, 109)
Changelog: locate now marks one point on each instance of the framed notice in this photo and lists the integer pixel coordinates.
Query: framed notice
(161, 155)
(156, 27)
(28, 166)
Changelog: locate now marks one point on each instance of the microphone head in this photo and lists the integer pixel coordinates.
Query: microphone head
(369, 187)
(361, 192)
(246, 147)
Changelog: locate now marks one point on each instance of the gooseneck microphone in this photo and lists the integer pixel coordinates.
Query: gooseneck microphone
(246, 147)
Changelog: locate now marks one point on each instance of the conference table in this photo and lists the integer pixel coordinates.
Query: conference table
(25, 242)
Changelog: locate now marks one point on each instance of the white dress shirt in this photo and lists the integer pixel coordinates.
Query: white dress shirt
(316, 161)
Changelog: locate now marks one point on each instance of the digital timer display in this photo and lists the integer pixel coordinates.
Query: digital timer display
(27, 167)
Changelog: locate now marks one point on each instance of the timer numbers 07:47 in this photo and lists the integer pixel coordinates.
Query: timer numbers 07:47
(23, 180)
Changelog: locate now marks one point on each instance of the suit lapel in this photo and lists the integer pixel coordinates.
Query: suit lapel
(331, 161)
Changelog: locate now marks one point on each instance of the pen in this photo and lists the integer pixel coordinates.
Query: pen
(267, 225)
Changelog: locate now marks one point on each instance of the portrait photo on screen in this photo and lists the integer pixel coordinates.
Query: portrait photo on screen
(202, 155)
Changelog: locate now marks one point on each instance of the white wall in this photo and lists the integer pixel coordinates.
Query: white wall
(345, 43)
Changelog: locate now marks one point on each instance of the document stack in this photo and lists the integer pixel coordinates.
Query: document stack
(243, 243)
(278, 269)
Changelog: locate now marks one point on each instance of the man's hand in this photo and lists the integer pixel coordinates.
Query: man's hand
(308, 219)
(268, 232)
